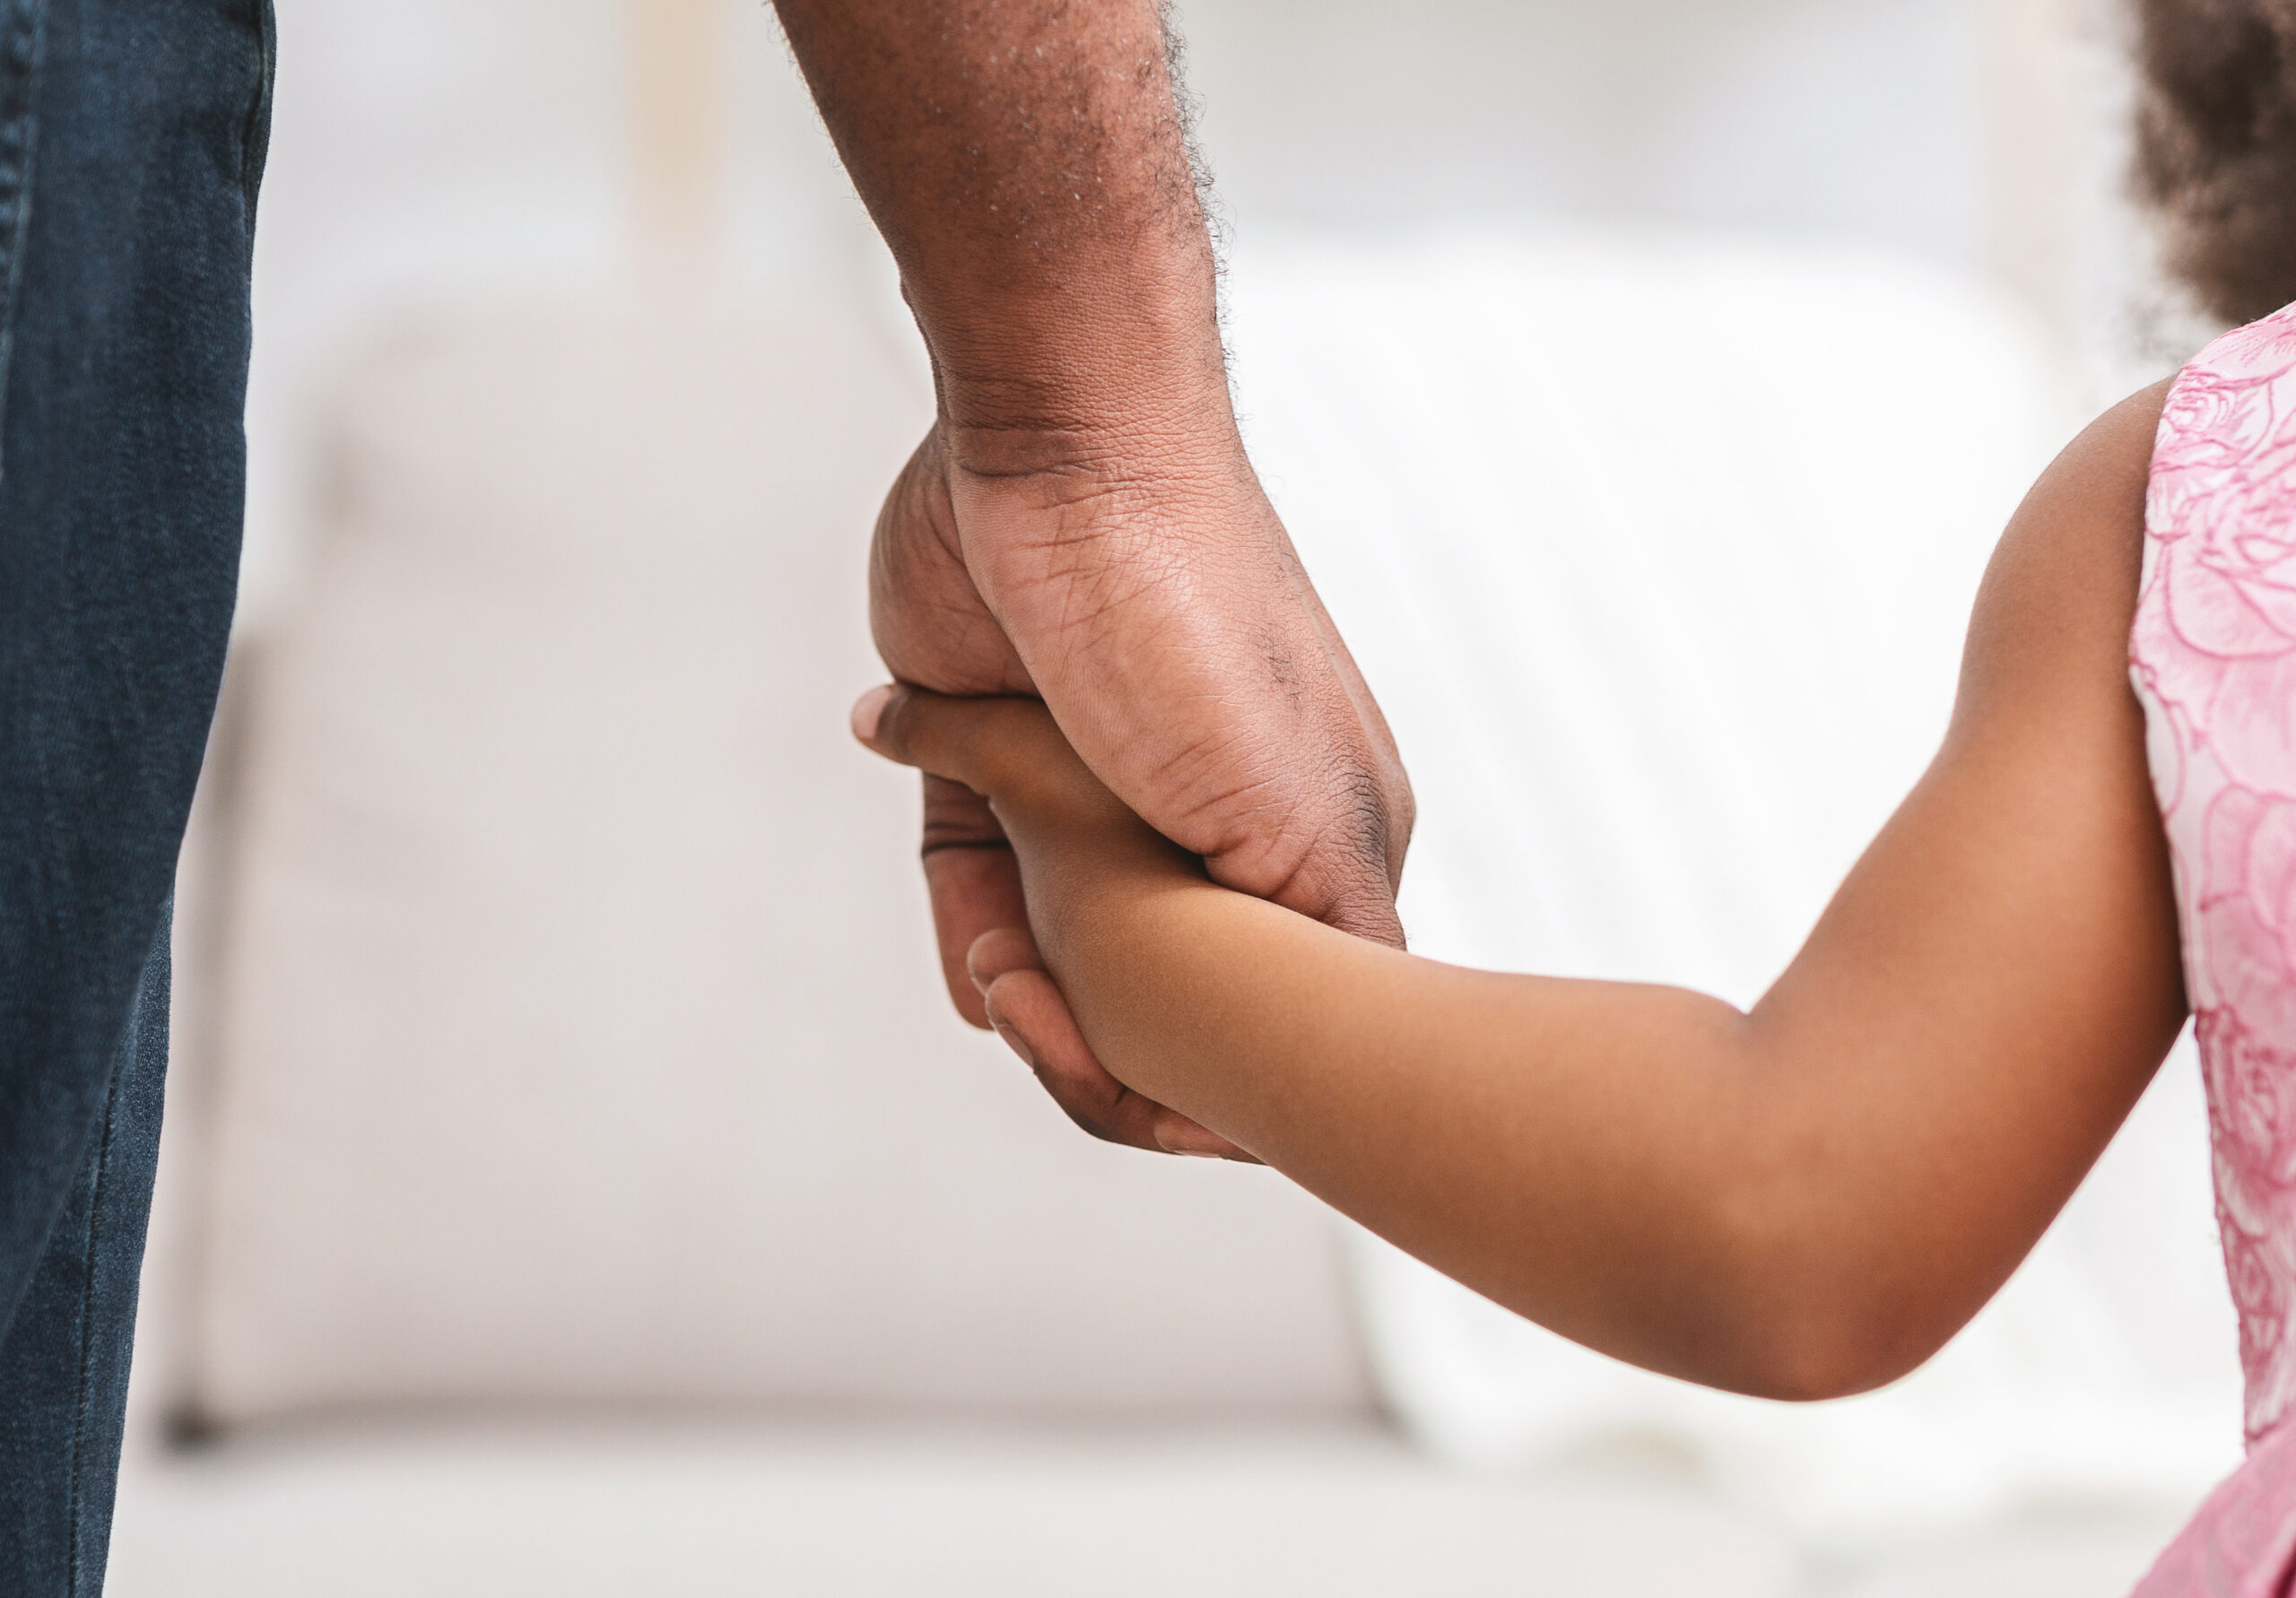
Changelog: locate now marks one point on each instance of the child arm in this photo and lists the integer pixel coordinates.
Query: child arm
(1801, 1201)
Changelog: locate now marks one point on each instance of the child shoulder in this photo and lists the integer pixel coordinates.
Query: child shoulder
(2117, 447)
(2062, 587)
(2094, 490)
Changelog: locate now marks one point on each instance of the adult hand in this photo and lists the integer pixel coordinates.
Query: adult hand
(1080, 522)
(1150, 595)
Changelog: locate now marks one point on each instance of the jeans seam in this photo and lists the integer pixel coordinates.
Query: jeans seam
(87, 1319)
(255, 133)
(22, 51)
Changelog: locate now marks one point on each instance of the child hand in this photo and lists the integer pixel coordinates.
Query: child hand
(1007, 750)
(1075, 840)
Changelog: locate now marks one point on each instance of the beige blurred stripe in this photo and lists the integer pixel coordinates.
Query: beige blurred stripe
(677, 111)
(2033, 115)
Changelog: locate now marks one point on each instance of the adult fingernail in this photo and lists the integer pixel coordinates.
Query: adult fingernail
(1013, 1041)
(868, 710)
(1185, 1144)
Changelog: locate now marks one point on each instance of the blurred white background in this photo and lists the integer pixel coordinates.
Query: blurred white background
(571, 1157)
(432, 150)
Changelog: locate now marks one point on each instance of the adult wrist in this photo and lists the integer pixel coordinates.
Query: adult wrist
(1108, 357)
(1113, 495)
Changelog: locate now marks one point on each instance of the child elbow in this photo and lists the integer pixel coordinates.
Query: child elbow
(1826, 1359)
(1835, 1344)
(1822, 1310)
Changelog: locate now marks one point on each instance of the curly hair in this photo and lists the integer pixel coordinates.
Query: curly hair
(2216, 146)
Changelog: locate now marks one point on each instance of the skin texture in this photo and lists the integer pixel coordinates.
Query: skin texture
(1801, 1201)
(1081, 524)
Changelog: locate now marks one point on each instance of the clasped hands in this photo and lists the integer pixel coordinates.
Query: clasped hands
(1149, 596)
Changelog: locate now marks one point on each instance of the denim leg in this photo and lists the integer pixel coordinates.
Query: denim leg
(132, 134)
(65, 1397)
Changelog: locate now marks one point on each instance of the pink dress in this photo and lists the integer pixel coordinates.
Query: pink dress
(2213, 656)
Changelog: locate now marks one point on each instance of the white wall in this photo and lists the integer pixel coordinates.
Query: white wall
(439, 148)
(1839, 117)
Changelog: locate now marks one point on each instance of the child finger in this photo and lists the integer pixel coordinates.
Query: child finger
(947, 736)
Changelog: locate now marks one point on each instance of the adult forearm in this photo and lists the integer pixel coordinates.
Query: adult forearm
(1027, 163)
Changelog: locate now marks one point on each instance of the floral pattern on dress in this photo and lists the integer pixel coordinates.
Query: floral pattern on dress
(2212, 658)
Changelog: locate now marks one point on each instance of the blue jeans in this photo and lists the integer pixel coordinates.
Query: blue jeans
(132, 134)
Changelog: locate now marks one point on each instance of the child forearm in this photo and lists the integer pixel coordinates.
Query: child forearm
(1593, 1155)
(1798, 1203)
